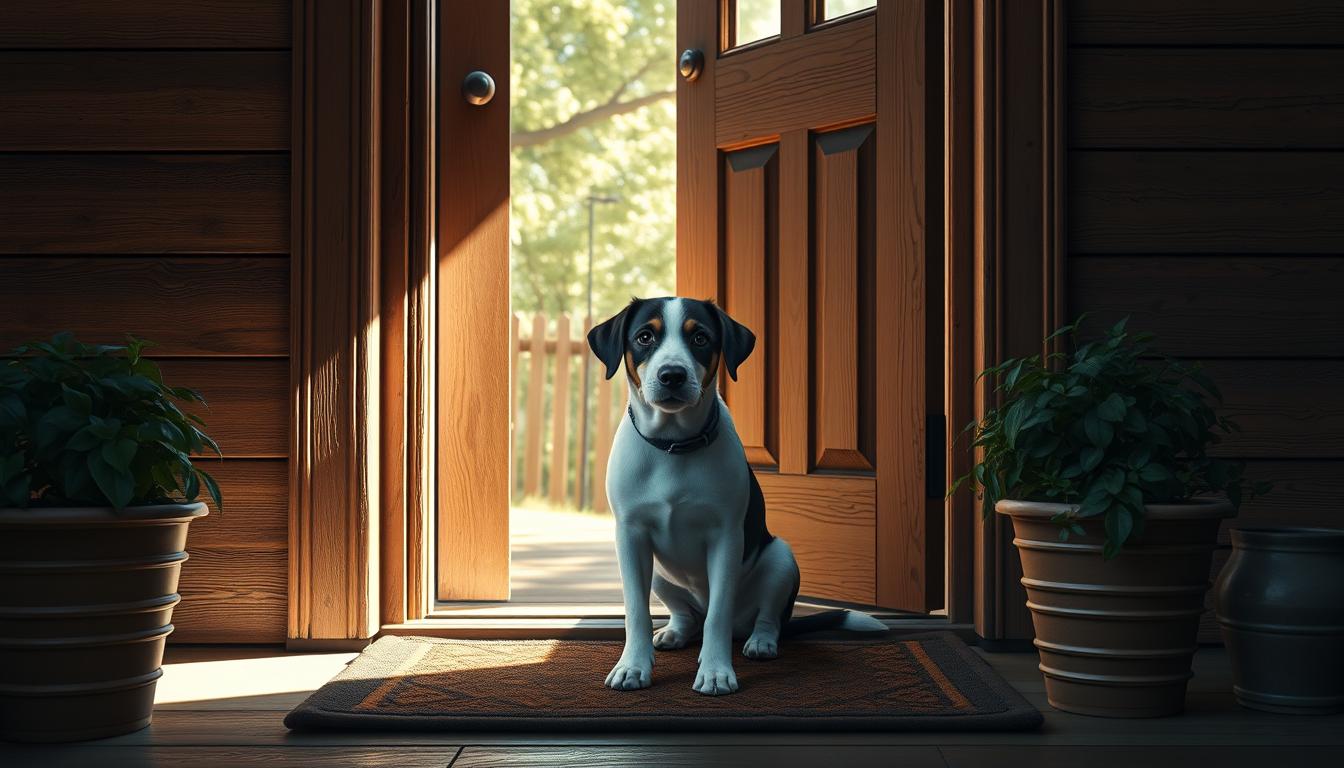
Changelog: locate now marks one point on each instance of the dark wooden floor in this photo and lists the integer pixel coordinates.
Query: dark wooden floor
(224, 707)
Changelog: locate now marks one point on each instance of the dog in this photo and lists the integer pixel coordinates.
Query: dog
(690, 515)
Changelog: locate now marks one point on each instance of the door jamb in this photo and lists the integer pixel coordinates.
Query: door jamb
(334, 325)
(1005, 129)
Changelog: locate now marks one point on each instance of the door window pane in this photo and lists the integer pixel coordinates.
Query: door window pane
(755, 20)
(831, 9)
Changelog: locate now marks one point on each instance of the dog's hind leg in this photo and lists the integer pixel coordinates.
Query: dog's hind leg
(687, 616)
(774, 586)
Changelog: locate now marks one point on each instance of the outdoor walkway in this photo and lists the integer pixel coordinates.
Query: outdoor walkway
(563, 557)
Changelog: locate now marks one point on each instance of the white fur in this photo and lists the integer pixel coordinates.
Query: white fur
(679, 529)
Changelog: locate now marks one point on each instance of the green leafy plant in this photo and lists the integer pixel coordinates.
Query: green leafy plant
(95, 425)
(1107, 429)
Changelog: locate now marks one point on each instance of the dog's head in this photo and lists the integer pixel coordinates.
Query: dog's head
(671, 348)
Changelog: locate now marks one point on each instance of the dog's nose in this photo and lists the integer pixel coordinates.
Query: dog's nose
(672, 375)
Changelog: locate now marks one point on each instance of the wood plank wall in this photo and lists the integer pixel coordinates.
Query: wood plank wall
(1206, 199)
(144, 188)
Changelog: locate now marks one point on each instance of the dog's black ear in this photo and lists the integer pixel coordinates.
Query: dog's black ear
(608, 339)
(738, 341)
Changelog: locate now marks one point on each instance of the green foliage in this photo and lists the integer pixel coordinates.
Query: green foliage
(95, 425)
(1107, 429)
(593, 112)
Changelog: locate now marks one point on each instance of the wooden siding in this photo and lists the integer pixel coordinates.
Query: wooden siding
(144, 188)
(1206, 148)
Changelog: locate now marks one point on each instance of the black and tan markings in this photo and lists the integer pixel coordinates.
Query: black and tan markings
(636, 333)
(690, 327)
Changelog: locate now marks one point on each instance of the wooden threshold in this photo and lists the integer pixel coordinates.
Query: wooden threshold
(597, 629)
(514, 621)
(519, 609)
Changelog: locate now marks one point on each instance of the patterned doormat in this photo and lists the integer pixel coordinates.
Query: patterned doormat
(926, 682)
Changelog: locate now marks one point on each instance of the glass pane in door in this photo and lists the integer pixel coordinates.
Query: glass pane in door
(754, 20)
(833, 9)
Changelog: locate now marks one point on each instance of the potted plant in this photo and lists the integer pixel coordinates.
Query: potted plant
(97, 487)
(1100, 458)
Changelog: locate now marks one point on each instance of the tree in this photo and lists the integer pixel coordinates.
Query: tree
(593, 112)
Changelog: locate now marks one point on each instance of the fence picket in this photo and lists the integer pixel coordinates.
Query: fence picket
(535, 393)
(560, 410)
(583, 427)
(515, 346)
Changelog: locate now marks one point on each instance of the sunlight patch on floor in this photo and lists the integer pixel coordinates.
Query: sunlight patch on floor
(244, 677)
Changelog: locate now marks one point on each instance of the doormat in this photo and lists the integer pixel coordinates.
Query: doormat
(920, 683)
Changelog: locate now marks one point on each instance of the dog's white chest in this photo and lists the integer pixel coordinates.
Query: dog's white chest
(683, 501)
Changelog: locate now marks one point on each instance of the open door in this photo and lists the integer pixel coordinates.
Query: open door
(472, 281)
(800, 207)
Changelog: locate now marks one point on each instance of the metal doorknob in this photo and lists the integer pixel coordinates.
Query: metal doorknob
(478, 88)
(691, 64)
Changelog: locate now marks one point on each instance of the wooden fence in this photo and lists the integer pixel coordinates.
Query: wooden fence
(549, 413)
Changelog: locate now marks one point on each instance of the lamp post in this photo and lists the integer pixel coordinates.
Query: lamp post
(592, 200)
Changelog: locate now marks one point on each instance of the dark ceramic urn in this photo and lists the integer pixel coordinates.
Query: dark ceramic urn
(1280, 602)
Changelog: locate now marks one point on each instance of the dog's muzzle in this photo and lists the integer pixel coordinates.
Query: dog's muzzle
(672, 389)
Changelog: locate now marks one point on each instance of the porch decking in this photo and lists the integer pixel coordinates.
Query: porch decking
(561, 557)
(224, 706)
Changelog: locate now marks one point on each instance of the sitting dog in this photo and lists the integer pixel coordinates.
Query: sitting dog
(690, 516)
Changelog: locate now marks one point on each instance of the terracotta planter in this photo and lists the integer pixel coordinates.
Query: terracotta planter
(1280, 602)
(1116, 636)
(86, 597)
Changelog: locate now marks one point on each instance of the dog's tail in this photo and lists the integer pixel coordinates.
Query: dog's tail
(852, 621)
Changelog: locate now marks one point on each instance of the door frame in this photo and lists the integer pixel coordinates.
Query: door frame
(361, 500)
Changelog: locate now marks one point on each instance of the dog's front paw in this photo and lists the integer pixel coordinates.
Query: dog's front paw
(715, 679)
(630, 676)
(760, 647)
(670, 638)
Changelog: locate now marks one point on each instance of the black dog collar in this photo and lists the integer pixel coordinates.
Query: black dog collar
(702, 440)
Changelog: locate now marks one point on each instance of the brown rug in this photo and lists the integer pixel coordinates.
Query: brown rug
(927, 682)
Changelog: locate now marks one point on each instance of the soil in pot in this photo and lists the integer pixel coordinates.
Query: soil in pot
(1116, 637)
(86, 600)
(1280, 602)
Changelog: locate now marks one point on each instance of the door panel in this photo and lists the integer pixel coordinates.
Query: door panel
(751, 193)
(828, 521)
(843, 412)
(787, 149)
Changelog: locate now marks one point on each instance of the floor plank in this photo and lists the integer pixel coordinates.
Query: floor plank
(1211, 719)
(78, 756)
(1149, 756)
(700, 755)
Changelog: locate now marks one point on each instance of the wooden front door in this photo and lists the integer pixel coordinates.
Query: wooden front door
(800, 207)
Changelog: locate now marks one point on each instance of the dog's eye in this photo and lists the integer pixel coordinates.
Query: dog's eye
(700, 339)
(644, 338)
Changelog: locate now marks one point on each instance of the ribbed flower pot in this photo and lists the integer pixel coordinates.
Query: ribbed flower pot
(86, 601)
(1116, 637)
(1280, 602)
